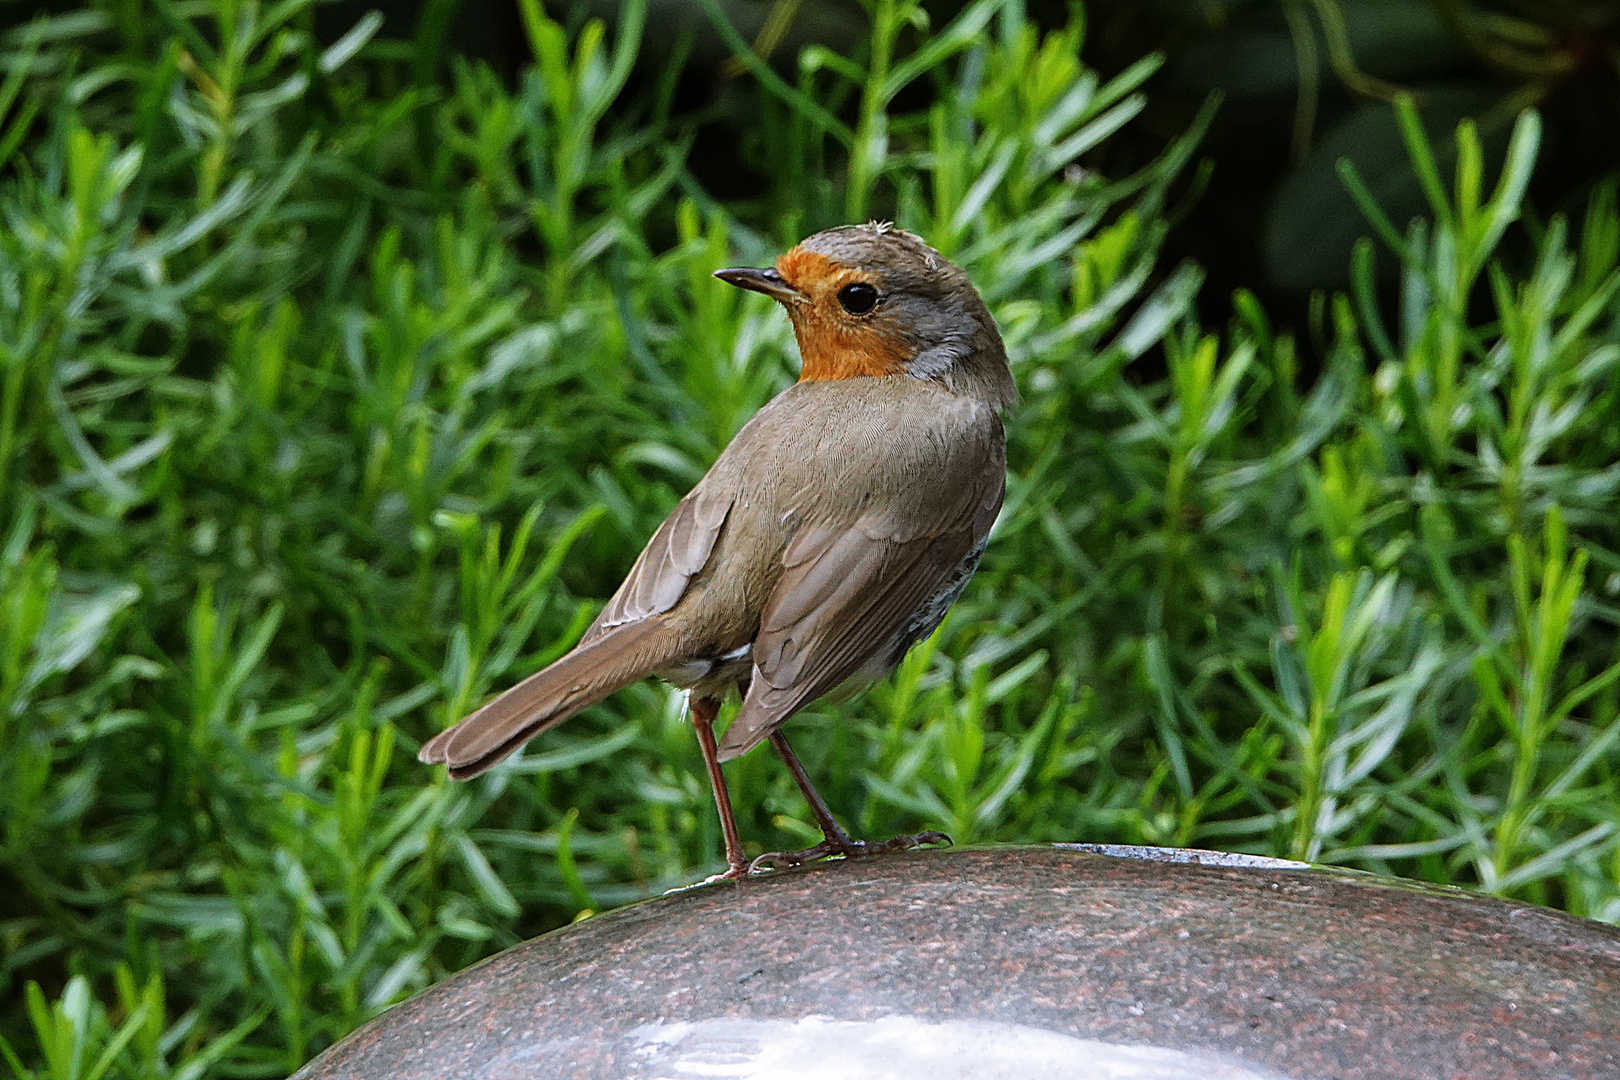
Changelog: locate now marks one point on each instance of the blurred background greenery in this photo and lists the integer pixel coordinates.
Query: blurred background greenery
(348, 355)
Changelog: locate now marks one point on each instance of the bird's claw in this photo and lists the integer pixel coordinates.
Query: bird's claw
(734, 872)
(848, 848)
(777, 860)
(731, 873)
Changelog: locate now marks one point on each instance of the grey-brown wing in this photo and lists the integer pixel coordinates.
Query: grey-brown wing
(846, 594)
(620, 646)
(677, 552)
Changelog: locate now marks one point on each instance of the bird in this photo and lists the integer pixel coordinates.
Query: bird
(831, 534)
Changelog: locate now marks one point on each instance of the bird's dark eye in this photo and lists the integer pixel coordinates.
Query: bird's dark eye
(858, 298)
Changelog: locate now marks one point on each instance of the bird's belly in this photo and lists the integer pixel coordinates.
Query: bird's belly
(711, 676)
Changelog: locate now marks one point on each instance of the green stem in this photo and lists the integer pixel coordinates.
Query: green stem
(1310, 795)
(866, 160)
(1175, 484)
(10, 405)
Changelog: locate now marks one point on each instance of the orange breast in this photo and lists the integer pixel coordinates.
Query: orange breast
(835, 352)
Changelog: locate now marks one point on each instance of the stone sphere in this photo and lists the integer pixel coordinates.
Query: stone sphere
(1027, 963)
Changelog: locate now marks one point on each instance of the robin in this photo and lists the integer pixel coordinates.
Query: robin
(830, 536)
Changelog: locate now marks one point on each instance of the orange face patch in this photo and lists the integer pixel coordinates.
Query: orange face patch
(833, 343)
(805, 269)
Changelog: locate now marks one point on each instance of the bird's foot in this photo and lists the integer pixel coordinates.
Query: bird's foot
(847, 847)
(734, 872)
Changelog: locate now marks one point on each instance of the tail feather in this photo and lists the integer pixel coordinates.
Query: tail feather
(549, 696)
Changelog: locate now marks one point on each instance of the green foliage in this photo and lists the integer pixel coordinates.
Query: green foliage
(1310, 83)
(331, 401)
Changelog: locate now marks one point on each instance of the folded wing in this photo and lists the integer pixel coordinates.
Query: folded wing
(675, 555)
(626, 642)
(848, 596)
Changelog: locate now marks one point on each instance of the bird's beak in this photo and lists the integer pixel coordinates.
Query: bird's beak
(766, 281)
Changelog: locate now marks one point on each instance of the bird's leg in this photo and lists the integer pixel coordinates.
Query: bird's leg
(837, 842)
(818, 806)
(704, 710)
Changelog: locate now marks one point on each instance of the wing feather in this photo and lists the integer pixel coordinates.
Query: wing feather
(676, 554)
(846, 594)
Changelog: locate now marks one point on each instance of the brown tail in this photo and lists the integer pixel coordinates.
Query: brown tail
(576, 681)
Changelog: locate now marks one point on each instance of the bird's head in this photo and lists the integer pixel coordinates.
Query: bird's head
(876, 300)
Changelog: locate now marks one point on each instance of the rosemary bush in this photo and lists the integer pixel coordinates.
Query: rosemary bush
(333, 399)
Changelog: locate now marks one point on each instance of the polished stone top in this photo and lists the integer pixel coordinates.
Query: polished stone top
(1027, 963)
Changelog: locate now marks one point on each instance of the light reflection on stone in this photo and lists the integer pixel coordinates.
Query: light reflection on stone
(908, 1048)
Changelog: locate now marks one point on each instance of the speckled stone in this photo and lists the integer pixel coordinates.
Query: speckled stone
(1030, 963)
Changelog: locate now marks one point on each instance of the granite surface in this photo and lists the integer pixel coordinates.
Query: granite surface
(1027, 962)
